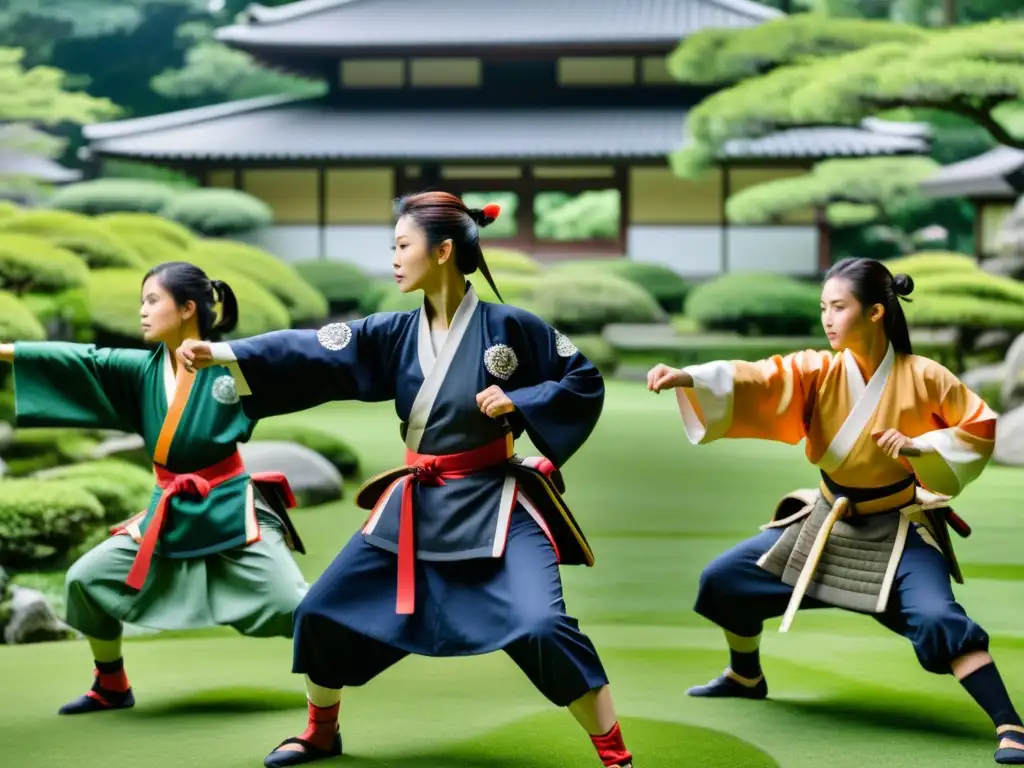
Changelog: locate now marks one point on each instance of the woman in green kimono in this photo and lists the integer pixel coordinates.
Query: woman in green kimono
(213, 546)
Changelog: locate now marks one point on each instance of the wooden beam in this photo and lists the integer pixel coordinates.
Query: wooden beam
(724, 216)
(622, 181)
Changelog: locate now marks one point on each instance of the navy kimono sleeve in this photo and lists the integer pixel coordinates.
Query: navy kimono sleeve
(294, 370)
(560, 410)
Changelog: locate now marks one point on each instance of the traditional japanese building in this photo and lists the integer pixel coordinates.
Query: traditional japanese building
(993, 181)
(530, 103)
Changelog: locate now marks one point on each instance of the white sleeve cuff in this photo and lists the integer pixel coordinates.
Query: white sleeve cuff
(946, 464)
(222, 352)
(713, 389)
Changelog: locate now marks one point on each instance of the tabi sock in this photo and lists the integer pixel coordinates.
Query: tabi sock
(322, 726)
(110, 676)
(611, 748)
(744, 655)
(986, 687)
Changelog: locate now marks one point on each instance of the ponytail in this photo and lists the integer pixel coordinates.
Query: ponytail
(228, 308)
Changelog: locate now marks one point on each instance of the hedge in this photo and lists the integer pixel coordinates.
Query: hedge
(664, 284)
(585, 303)
(17, 322)
(328, 445)
(756, 304)
(599, 352)
(147, 224)
(932, 263)
(343, 284)
(40, 448)
(506, 260)
(41, 520)
(87, 237)
(121, 487)
(305, 304)
(938, 310)
(153, 250)
(107, 195)
(978, 284)
(66, 315)
(31, 264)
(115, 298)
(218, 212)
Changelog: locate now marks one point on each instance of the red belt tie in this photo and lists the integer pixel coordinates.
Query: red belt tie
(196, 483)
(434, 470)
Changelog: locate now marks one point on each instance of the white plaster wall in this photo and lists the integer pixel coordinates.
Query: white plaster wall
(783, 250)
(690, 251)
(368, 246)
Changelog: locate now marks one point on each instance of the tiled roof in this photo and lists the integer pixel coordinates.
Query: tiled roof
(278, 129)
(987, 175)
(37, 167)
(368, 24)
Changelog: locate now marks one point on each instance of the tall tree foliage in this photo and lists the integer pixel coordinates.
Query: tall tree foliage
(831, 73)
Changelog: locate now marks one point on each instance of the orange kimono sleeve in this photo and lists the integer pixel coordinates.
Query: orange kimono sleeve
(766, 399)
(954, 454)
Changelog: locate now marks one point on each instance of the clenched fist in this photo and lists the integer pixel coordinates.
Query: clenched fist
(194, 354)
(494, 402)
(663, 376)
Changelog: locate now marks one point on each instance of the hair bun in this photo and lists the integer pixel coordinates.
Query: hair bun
(486, 215)
(902, 285)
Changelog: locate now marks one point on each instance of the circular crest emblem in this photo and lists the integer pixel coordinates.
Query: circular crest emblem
(500, 361)
(334, 336)
(564, 346)
(224, 390)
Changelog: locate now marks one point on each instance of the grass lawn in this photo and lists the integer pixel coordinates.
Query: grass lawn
(656, 510)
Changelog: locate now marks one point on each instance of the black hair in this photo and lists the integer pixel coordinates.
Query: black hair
(186, 282)
(872, 283)
(443, 216)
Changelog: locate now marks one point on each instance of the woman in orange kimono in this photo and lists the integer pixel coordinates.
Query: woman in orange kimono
(895, 436)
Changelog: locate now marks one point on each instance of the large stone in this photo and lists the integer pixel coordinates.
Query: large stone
(32, 619)
(1010, 439)
(123, 446)
(313, 478)
(984, 376)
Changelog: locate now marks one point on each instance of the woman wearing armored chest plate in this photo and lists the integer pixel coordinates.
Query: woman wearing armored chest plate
(213, 547)
(461, 549)
(895, 437)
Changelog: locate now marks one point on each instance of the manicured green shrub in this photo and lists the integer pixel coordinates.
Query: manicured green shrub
(305, 304)
(151, 225)
(36, 449)
(977, 284)
(218, 212)
(123, 488)
(664, 284)
(41, 520)
(17, 321)
(506, 260)
(327, 444)
(32, 264)
(932, 263)
(106, 195)
(342, 283)
(599, 352)
(97, 245)
(66, 315)
(755, 304)
(585, 303)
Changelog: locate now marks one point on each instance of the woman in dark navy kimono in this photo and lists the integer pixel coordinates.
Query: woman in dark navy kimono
(460, 551)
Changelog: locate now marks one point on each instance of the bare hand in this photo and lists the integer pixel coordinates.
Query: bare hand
(494, 402)
(194, 354)
(896, 444)
(663, 376)
(7, 353)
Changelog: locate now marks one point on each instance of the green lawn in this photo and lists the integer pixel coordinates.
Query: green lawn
(656, 510)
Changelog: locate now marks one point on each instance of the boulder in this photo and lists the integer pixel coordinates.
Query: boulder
(313, 479)
(1010, 439)
(124, 446)
(31, 619)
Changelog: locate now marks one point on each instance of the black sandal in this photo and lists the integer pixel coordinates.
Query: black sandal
(309, 752)
(1011, 755)
(99, 699)
(725, 687)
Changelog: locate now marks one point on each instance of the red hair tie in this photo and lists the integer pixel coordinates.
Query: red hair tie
(491, 210)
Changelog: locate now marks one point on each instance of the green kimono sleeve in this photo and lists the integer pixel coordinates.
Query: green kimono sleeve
(59, 384)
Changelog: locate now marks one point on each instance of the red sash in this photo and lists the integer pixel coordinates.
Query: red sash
(434, 470)
(195, 483)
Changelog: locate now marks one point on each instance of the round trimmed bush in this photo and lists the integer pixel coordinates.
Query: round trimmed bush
(756, 304)
(305, 304)
(125, 224)
(39, 448)
(41, 520)
(507, 260)
(106, 195)
(153, 250)
(89, 238)
(115, 298)
(17, 321)
(65, 315)
(932, 263)
(978, 284)
(31, 264)
(942, 311)
(121, 487)
(586, 303)
(516, 289)
(218, 212)
(328, 445)
(598, 351)
(664, 284)
(343, 284)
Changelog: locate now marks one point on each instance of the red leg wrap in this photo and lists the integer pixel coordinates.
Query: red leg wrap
(611, 748)
(322, 725)
(116, 681)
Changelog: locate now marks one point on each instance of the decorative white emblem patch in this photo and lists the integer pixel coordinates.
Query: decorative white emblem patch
(500, 361)
(334, 336)
(564, 346)
(224, 390)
